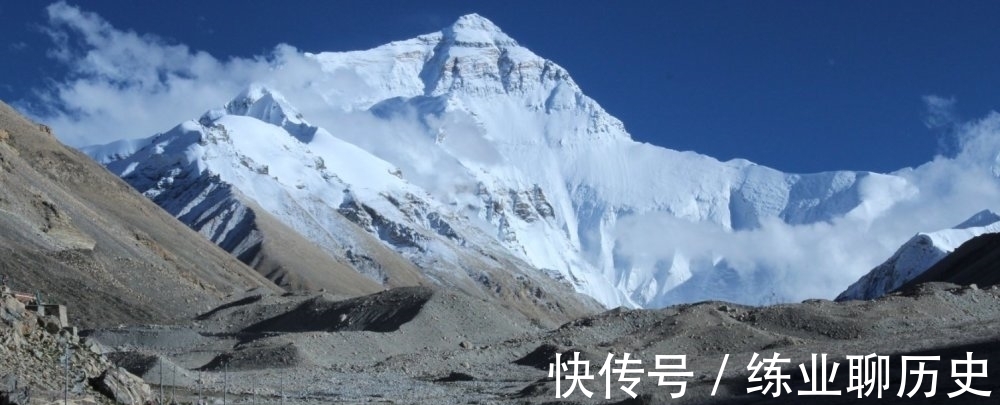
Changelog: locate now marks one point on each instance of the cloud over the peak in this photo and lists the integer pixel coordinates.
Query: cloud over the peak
(123, 84)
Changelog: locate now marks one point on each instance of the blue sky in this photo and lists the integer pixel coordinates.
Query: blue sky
(799, 86)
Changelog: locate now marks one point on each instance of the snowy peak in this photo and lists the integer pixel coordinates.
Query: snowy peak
(474, 57)
(917, 255)
(260, 102)
(475, 68)
(475, 21)
(474, 30)
(982, 218)
(264, 104)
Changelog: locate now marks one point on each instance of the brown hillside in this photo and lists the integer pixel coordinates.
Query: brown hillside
(79, 235)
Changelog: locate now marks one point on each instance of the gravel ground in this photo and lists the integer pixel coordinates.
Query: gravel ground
(417, 345)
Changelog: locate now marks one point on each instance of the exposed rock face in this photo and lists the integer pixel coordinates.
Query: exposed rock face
(397, 234)
(975, 262)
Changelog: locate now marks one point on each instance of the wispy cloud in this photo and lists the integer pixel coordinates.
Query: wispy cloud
(942, 119)
(17, 46)
(940, 111)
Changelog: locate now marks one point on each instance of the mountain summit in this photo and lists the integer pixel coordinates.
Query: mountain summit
(474, 30)
(460, 157)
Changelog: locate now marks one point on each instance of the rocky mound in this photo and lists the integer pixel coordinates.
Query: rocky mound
(380, 312)
(261, 354)
(154, 368)
(33, 352)
(403, 311)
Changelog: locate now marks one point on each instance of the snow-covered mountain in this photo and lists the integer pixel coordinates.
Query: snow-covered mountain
(230, 171)
(917, 255)
(461, 150)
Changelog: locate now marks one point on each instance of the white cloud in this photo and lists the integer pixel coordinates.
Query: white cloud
(123, 84)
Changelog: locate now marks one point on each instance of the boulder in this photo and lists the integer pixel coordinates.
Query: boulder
(11, 310)
(121, 386)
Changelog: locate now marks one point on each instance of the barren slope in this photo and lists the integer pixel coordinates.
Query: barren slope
(296, 263)
(79, 235)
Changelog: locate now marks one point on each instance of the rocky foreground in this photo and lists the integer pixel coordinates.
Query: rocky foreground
(418, 345)
(33, 362)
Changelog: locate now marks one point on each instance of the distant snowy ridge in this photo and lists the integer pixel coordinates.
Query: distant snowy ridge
(504, 161)
(917, 255)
